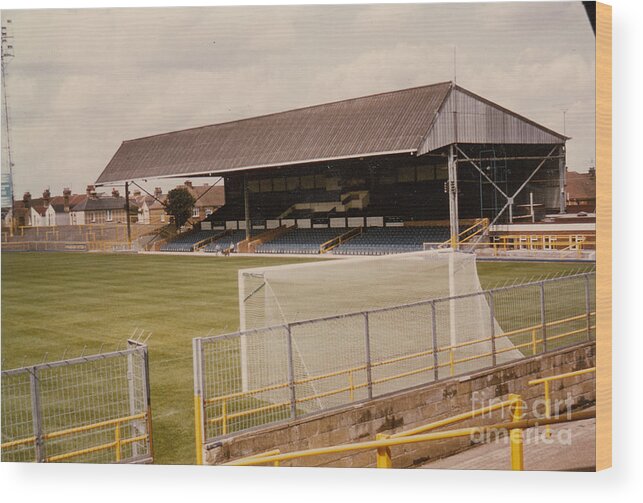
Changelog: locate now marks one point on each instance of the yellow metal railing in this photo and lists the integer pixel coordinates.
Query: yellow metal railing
(226, 416)
(571, 242)
(546, 382)
(478, 226)
(384, 459)
(383, 443)
(476, 229)
(117, 444)
(338, 240)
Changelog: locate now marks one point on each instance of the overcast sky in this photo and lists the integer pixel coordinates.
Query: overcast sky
(82, 81)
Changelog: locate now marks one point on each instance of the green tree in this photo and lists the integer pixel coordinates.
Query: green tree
(179, 204)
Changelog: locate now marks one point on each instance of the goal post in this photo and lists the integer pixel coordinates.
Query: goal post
(394, 289)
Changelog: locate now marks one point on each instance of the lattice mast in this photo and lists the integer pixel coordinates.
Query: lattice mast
(6, 55)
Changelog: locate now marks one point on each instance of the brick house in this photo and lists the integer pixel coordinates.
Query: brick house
(99, 209)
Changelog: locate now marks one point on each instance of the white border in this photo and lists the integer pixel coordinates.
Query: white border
(67, 483)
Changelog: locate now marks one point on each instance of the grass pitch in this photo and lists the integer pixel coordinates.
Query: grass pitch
(56, 304)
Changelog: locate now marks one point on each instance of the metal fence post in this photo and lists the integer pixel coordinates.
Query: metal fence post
(492, 318)
(132, 395)
(199, 433)
(36, 415)
(434, 337)
(542, 315)
(588, 308)
(148, 399)
(291, 374)
(369, 376)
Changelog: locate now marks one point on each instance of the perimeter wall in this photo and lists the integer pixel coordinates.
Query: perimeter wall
(424, 404)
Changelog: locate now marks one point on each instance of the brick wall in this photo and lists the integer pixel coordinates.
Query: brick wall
(421, 405)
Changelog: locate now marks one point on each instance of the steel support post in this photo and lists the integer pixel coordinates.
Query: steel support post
(148, 399)
(291, 374)
(199, 430)
(588, 308)
(562, 178)
(453, 196)
(434, 337)
(492, 329)
(542, 316)
(369, 375)
(131, 389)
(246, 207)
(36, 415)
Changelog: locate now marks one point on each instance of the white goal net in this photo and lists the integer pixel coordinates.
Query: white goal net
(401, 325)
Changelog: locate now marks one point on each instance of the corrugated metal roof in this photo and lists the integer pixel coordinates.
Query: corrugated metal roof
(389, 122)
(465, 117)
(386, 123)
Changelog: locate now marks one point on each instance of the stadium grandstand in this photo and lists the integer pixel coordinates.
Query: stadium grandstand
(205, 240)
(377, 174)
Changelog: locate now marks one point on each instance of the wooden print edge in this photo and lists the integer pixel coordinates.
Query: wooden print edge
(604, 236)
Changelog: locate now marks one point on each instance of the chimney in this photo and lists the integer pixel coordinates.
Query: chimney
(46, 197)
(115, 192)
(91, 192)
(158, 192)
(66, 194)
(188, 184)
(27, 200)
(592, 172)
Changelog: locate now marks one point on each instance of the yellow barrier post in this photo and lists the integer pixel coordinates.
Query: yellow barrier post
(117, 441)
(545, 381)
(515, 439)
(383, 453)
(224, 416)
(534, 340)
(451, 366)
(198, 429)
(547, 409)
(351, 386)
(116, 444)
(386, 441)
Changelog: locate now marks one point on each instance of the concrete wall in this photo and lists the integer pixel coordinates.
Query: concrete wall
(404, 410)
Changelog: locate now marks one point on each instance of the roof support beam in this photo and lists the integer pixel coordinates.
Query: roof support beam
(452, 188)
(512, 158)
(562, 178)
(468, 159)
(246, 206)
(524, 184)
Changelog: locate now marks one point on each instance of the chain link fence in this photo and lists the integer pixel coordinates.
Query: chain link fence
(257, 377)
(92, 409)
